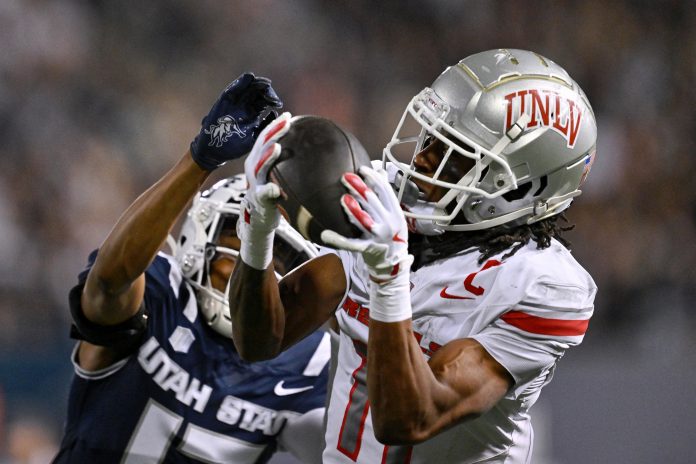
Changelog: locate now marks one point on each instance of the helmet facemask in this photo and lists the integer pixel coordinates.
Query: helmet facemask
(433, 116)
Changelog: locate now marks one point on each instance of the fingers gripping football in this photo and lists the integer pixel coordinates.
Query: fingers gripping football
(261, 214)
(261, 194)
(374, 209)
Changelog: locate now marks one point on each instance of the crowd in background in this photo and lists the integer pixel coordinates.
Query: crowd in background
(99, 98)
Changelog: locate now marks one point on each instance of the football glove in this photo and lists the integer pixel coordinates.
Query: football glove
(261, 214)
(235, 120)
(373, 208)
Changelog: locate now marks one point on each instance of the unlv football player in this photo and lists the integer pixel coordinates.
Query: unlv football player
(461, 296)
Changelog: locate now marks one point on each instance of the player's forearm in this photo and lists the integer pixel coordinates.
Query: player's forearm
(400, 384)
(411, 399)
(140, 232)
(258, 317)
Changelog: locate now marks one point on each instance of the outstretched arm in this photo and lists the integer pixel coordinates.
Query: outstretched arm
(115, 285)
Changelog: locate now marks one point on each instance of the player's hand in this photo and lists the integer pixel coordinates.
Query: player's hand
(262, 196)
(261, 215)
(373, 208)
(229, 130)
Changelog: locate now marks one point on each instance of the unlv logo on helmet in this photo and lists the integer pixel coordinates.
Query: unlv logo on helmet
(545, 108)
(472, 109)
(223, 130)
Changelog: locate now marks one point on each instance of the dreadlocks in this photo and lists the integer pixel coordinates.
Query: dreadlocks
(427, 250)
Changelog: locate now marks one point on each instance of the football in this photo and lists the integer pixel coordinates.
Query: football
(316, 152)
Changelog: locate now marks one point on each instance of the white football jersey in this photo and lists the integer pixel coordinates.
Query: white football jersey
(526, 311)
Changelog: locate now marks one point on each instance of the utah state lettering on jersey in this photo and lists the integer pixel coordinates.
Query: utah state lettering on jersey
(185, 396)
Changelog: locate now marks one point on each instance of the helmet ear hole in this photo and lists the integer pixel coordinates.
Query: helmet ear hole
(518, 193)
(543, 182)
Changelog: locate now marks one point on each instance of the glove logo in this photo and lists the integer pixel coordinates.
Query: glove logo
(224, 129)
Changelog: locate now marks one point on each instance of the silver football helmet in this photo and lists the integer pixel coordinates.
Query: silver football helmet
(215, 212)
(526, 127)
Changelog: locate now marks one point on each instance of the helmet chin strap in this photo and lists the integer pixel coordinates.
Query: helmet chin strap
(425, 227)
(406, 190)
(214, 307)
(410, 202)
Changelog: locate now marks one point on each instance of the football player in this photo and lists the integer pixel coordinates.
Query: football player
(157, 377)
(461, 296)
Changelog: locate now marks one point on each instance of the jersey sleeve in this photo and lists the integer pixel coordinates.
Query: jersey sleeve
(162, 282)
(551, 315)
(123, 336)
(348, 261)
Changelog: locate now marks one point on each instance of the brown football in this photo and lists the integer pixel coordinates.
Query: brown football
(315, 154)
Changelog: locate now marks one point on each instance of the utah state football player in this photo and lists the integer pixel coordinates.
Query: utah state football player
(157, 377)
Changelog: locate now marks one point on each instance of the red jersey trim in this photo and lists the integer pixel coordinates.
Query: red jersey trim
(544, 326)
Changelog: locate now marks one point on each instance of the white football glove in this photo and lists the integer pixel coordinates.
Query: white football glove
(261, 216)
(373, 208)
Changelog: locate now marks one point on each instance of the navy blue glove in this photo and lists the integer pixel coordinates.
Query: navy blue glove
(234, 122)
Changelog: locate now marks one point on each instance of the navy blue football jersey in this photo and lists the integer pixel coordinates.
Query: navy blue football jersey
(185, 395)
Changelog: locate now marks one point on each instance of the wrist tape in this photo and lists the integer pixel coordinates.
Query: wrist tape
(390, 301)
(256, 249)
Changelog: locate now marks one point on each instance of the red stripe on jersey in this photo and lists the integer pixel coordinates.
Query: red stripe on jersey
(397, 454)
(353, 454)
(544, 326)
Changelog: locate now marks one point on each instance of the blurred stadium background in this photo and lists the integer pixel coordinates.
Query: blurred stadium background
(99, 98)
